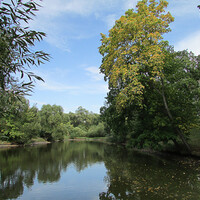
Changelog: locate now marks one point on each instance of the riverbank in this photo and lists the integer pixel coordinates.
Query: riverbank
(36, 141)
(168, 150)
(41, 141)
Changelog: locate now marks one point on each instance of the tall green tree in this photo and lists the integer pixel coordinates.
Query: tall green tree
(133, 52)
(17, 56)
(133, 58)
(149, 83)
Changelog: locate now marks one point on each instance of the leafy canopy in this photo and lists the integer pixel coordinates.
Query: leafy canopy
(133, 50)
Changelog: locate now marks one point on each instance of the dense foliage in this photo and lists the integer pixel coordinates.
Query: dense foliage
(24, 123)
(18, 122)
(153, 94)
(132, 53)
(154, 91)
(17, 54)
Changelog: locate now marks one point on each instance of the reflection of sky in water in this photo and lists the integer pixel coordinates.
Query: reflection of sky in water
(91, 171)
(84, 185)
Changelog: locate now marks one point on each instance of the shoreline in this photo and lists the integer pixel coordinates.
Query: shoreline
(2, 146)
(194, 154)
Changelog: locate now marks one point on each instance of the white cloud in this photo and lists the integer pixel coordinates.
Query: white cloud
(191, 42)
(90, 89)
(110, 20)
(81, 7)
(54, 18)
(33, 102)
(183, 7)
(95, 88)
(53, 30)
(94, 73)
(129, 4)
(98, 86)
(56, 86)
(58, 41)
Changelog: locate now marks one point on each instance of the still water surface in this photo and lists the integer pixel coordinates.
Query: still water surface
(91, 171)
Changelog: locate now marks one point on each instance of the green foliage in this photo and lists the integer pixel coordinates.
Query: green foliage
(83, 118)
(21, 122)
(59, 132)
(32, 126)
(16, 42)
(132, 53)
(12, 133)
(154, 91)
(77, 132)
(18, 123)
(97, 131)
(150, 126)
(181, 85)
(85, 124)
(52, 127)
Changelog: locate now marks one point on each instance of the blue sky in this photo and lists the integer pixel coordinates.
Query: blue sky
(73, 30)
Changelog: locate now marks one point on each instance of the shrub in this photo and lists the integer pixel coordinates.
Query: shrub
(97, 131)
(77, 132)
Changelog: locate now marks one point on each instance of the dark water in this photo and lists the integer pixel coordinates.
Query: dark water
(90, 171)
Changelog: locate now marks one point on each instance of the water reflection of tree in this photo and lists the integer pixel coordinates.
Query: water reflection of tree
(136, 176)
(129, 175)
(19, 167)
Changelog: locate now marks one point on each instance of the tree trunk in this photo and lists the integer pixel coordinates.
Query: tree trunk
(177, 130)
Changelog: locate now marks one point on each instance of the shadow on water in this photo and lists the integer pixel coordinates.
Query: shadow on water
(129, 175)
(139, 176)
(20, 166)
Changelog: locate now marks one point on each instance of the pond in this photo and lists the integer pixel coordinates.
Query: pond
(91, 171)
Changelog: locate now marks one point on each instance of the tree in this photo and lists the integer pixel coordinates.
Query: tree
(52, 126)
(83, 118)
(154, 123)
(132, 59)
(32, 123)
(148, 80)
(21, 124)
(133, 50)
(179, 89)
(16, 52)
(16, 58)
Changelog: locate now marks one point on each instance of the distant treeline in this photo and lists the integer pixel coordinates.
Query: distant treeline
(22, 123)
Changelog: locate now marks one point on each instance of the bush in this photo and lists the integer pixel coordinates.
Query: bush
(12, 134)
(77, 132)
(97, 131)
